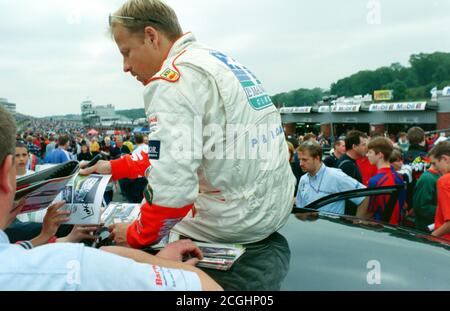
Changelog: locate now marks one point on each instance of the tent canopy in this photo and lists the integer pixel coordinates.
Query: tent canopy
(93, 132)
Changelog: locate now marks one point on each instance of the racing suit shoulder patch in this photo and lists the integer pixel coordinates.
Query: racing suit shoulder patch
(170, 75)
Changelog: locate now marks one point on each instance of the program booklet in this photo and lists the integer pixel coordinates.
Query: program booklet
(38, 190)
(219, 256)
(216, 256)
(117, 213)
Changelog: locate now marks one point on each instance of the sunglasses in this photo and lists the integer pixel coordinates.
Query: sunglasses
(129, 18)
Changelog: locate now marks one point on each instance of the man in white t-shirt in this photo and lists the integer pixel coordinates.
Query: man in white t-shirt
(140, 145)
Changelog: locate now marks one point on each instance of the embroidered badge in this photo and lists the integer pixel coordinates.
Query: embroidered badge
(170, 75)
(153, 149)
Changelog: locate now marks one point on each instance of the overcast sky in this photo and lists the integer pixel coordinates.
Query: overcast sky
(55, 53)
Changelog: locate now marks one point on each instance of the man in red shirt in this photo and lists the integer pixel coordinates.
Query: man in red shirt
(380, 150)
(440, 158)
(368, 170)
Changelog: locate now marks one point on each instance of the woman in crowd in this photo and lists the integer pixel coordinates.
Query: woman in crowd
(85, 154)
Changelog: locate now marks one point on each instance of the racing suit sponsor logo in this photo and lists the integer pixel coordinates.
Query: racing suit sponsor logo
(170, 75)
(158, 277)
(153, 149)
(256, 95)
(153, 123)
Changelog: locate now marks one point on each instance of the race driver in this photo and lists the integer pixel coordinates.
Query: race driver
(217, 165)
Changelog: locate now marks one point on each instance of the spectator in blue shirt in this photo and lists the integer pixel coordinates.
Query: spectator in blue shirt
(321, 181)
(72, 267)
(51, 145)
(60, 154)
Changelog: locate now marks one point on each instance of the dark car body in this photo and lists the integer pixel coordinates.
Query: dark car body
(335, 252)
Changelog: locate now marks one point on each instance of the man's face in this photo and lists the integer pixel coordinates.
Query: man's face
(140, 56)
(442, 164)
(361, 149)
(341, 147)
(119, 142)
(374, 158)
(308, 163)
(21, 159)
(146, 140)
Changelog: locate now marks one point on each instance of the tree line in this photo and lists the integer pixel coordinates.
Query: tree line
(413, 82)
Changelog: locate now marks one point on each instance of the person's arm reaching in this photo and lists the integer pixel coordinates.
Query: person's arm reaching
(443, 230)
(207, 283)
(155, 221)
(52, 220)
(363, 210)
(128, 166)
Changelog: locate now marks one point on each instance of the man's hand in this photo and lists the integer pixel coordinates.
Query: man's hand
(177, 250)
(79, 233)
(139, 256)
(53, 219)
(119, 234)
(102, 167)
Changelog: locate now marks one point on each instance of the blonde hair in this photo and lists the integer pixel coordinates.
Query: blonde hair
(154, 13)
(291, 150)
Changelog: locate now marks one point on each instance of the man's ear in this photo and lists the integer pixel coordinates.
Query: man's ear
(151, 36)
(6, 169)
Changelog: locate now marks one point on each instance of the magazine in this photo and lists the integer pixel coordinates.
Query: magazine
(219, 256)
(84, 200)
(37, 191)
(216, 256)
(120, 213)
(83, 194)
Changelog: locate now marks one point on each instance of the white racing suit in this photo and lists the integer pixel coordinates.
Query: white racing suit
(217, 166)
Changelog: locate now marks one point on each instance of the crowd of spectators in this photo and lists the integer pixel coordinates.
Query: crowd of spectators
(54, 142)
(374, 161)
(402, 159)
